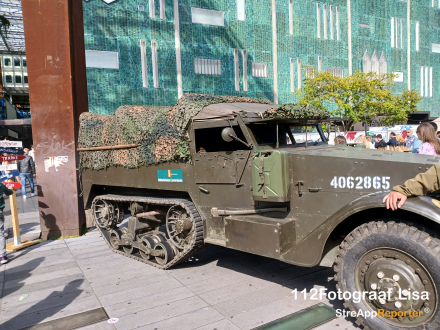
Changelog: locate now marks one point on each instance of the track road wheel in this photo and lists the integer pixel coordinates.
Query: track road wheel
(168, 253)
(390, 262)
(149, 243)
(115, 236)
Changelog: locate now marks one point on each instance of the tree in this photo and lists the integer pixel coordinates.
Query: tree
(359, 95)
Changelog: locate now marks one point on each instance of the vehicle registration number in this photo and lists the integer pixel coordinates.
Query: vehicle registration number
(359, 182)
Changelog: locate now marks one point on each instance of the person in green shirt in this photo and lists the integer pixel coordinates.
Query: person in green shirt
(6, 191)
(420, 185)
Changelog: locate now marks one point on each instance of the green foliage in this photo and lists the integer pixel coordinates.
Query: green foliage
(297, 111)
(359, 95)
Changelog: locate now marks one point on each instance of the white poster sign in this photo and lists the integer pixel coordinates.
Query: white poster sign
(11, 144)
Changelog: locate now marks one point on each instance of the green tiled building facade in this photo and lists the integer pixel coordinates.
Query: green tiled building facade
(254, 48)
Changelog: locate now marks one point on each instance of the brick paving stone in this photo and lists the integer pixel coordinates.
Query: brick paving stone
(217, 289)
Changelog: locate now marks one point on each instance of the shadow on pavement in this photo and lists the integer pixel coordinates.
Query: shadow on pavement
(18, 322)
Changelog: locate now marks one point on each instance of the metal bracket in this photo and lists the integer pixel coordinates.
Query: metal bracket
(300, 184)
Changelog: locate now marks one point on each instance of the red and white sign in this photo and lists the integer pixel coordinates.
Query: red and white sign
(13, 185)
(9, 167)
(11, 158)
(11, 144)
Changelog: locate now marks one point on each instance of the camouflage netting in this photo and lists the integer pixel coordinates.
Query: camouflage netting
(159, 132)
(296, 111)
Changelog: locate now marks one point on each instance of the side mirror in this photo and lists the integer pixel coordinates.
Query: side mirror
(228, 134)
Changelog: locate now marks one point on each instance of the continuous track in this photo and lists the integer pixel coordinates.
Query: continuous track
(195, 245)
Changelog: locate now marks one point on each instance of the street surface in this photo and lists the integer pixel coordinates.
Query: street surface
(217, 289)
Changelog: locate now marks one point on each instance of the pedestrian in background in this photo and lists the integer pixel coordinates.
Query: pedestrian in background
(369, 141)
(410, 138)
(340, 140)
(6, 191)
(26, 167)
(392, 142)
(430, 143)
(380, 143)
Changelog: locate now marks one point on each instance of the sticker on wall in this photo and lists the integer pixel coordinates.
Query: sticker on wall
(54, 161)
(169, 176)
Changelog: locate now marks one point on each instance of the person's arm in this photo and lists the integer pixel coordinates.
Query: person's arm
(420, 185)
(18, 165)
(32, 165)
(6, 191)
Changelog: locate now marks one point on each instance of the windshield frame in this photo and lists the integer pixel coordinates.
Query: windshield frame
(287, 125)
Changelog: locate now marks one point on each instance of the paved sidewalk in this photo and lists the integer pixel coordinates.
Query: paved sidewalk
(218, 289)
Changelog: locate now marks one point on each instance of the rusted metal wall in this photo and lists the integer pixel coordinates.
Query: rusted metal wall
(54, 35)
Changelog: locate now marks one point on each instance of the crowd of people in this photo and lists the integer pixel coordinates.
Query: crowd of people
(425, 141)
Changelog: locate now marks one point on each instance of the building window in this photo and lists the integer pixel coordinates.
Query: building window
(417, 36)
(207, 16)
(162, 9)
(430, 82)
(426, 81)
(241, 10)
(401, 33)
(399, 77)
(7, 61)
(392, 32)
(292, 75)
(374, 64)
(435, 48)
(25, 79)
(207, 66)
(144, 63)
(245, 77)
(396, 32)
(236, 70)
(259, 69)
(318, 19)
(319, 63)
(308, 71)
(17, 61)
(325, 22)
(299, 73)
(141, 8)
(151, 9)
(8, 79)
(291, 16)
(338, 24)
(337, 72)
(332, 24)
(155, 64)
(102, 60)
(24, 63)
(18, 79)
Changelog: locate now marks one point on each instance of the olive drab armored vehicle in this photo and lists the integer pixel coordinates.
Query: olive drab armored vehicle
(272, 186)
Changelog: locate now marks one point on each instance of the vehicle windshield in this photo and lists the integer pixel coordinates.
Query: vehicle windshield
(289, 135)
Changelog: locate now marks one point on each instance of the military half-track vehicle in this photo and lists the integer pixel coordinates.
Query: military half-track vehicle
(275, 188)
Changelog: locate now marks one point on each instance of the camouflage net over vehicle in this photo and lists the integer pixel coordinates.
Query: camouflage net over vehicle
(296, 111)
(159, 132)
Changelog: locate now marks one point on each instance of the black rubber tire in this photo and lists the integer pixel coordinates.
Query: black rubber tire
(388, 234)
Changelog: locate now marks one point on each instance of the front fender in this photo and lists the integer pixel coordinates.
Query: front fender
(308, 251)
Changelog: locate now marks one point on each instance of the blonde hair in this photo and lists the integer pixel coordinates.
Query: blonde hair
(400, 138)
(426, 133)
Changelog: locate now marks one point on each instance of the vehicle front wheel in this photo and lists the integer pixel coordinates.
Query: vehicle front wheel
(386, 263)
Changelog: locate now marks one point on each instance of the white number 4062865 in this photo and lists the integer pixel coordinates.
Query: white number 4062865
(359, 182)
